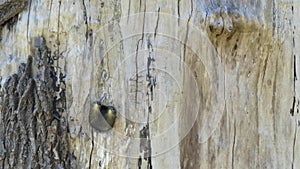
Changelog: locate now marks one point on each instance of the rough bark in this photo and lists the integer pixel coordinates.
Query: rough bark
(10, 9)
(33, 116)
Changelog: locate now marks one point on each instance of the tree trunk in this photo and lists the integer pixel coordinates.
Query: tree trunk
(195, 84)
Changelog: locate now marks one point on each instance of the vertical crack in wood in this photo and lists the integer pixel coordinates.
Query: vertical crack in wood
(92, 149)
(85, 19)
(292, 110)
(140, 6)
(137, 72)
(151, 85)
(128, 11)
(84, 13)
(273, 101)
(178, 10)
(274, 14)
(233, 144)
(140, 162)
(295, 66)
(150, 78)
(157, 22)
(264, 69)
(90, 55)
(295, 105)
(145, 143)
(140, 42)
(58, 26)
(145, 146)
(187, 31)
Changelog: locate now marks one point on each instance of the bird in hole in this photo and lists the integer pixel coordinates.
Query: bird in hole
(102, 117)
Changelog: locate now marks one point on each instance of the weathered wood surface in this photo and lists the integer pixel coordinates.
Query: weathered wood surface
(197, 84)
